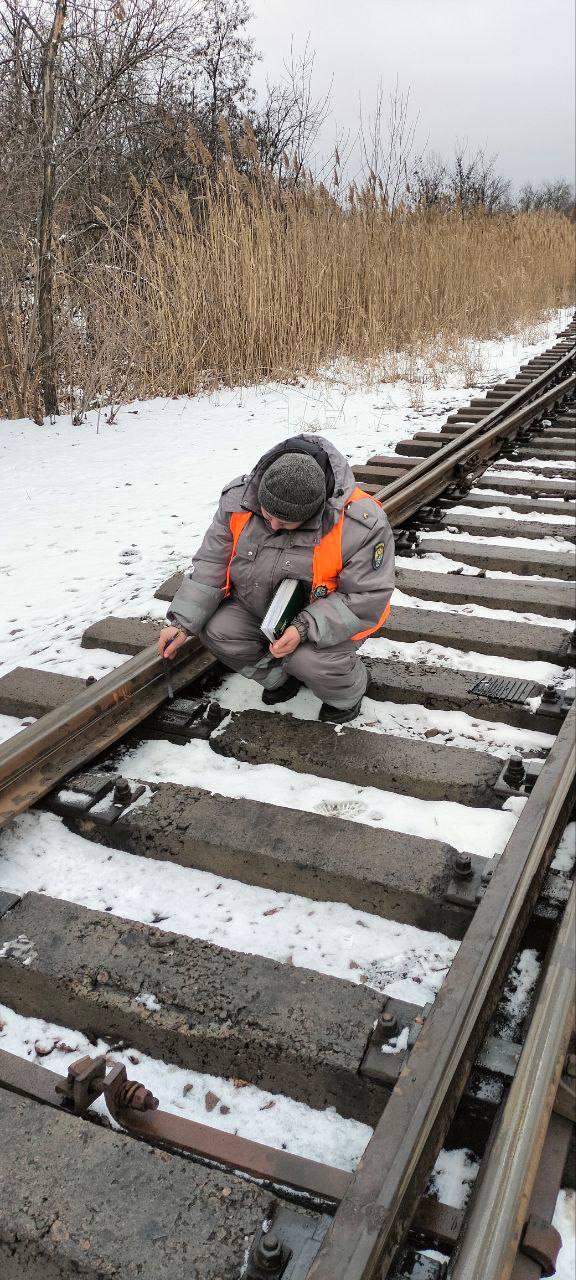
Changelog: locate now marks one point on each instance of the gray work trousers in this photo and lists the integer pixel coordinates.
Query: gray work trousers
(336, 675)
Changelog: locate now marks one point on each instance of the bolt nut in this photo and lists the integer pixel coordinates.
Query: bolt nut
(515, 773)
(269, 1255)
(122, 791)
(462, 866)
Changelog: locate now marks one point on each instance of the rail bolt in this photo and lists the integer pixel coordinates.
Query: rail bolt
(462, 866)
(269, 1257)
(550, 694)
(515, 773)
(388, 1024)
(122, 792)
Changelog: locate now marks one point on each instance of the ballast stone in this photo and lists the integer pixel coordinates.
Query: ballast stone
(80, 1200)
(284, 1028)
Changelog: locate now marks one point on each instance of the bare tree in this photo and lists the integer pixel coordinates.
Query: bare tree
(473, 183)
(387, 142)
(557, 195)
(290, 118)
(45, 276)
(429, 181)
(68, 70)
(225, 56)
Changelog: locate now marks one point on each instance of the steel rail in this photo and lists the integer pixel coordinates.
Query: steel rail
(494, 1225)
(429, 478)
(381, 1200)
(37, 758)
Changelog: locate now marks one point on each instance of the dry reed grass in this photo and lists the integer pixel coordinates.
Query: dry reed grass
(247, 283)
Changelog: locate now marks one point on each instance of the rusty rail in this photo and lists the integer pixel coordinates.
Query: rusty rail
(495, 1224)
(423, 483)
(381, 1200)
(34, 760)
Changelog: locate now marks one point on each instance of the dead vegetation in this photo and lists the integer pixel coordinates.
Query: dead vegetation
(246, 284)
(159, 237)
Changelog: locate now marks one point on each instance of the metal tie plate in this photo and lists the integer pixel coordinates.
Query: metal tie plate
(501, 689)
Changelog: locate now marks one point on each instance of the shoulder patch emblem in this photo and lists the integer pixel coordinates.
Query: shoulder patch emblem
(377, 555)
(319, 593)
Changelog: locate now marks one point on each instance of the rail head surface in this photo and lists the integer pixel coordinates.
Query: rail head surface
(378, 1207)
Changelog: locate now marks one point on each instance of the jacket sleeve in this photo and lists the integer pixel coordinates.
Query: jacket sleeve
(202, 588)
(365, 583)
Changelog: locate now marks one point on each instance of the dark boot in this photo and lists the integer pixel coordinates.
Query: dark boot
(339, 715)
(283, 693)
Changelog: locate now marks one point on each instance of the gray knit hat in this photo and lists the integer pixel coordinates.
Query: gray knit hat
(292, 487)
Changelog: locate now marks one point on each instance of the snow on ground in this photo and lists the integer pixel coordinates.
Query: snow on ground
(406, 720)
(565, 855)
(565, 1222)
(517, 995)
(96, 516)
(482, 831)
(564, 1217)
(39, 854)
(453, 1177)
(238, 1107)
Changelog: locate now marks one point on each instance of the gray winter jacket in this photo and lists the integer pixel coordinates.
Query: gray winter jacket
(263, 558)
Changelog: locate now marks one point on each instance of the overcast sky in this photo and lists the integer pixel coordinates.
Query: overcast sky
(492, 73)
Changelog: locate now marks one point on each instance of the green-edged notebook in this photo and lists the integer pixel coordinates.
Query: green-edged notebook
(287, 601)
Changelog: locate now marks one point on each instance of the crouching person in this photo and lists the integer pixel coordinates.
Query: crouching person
(298, 514)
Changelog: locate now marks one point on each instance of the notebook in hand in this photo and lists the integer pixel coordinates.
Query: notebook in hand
(287, 601)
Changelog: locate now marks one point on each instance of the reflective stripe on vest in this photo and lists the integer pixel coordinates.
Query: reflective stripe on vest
(326, 561)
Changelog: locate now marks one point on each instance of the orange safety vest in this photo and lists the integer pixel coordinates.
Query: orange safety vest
(326, 561)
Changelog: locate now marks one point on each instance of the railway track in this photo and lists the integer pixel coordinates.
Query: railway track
(483, 514)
